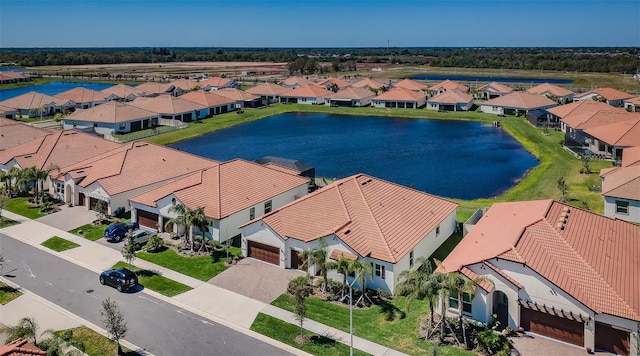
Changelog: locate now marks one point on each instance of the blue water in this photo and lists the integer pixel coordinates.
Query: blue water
(52, 88)
(470, 78)
(458, 159)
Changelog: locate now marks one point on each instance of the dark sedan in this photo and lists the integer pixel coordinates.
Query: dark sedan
(120, 278)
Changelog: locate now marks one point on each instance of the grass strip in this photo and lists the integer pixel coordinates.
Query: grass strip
(8, 293)
(96, 344)
(200, 267)
(59, 244)
(155, 282)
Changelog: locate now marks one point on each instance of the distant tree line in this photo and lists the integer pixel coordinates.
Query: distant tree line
(559, 59)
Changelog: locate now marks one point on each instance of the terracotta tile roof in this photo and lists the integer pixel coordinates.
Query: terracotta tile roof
(307, 91)
(591, 257)
(335, 255)
(135, 165)
(20, 347)
(60, 148)
(607, 93)
(635, 101)
(581, 107)
(587, 120)
(5, 110)
(351, 93)
(503, 274)
(280, 168)
(621, 182)
(216, 82)
(401, 94)
(374, 217)
(521, 100)
(225, 188)
(486, 285)
(333, 80)
(32, 101)
(453, 96)
(631, 156)
(547, 88)
(236, 94)
(369, 83)
(620, 134)
(449, 85)
(122, 91)
(81, 95)
(268, 89)
(111, 112)
(207, 98)
(150, 88)
(410, 85)
(292, 81)
(166, 104)
(496, 87)
(13, 133)
(185, 84)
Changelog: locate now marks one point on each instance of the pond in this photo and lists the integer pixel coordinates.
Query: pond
(458, 159)
(473, 78)
(52, 88)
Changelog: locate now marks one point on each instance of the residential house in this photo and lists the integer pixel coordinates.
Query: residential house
(580, 108)
(450, 100)
(14, 77)
(151, 89)
(362, 217)
(290, 166)
(517, 103)
(21, 347)
(351, 96)
(632, 104)
(446, 85)
(112, 117)
(7, 112)
(611, 140)
(186, 85)
(121, 92)
(370, 84)
(611, 96)
(539, 118)
(269, 92)
(33, 104)
(555, 270)
(83, 97)
(241, 98)
(216, 104)
(123, 172)
(13, 133)
(631, 157)
(172, 108)
(216, 83)
(410, 84)
(333, 84)
(553, 92)
(295, 82)
(493, 90)
(232, 193)
(400, 98)
(621, 192)
(306, 94)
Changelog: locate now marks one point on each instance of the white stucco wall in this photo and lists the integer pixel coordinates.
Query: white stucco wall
(610, 209)
(490, 109)
(262, 233)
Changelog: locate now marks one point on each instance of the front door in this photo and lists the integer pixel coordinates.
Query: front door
(296, 261)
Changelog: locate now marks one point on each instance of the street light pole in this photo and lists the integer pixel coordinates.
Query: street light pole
(351, 318)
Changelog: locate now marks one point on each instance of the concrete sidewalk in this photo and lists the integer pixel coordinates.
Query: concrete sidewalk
(231, 309)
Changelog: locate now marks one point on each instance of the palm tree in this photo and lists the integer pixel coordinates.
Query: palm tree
(13, 175)
(317, 257)
(458, 284)
(421, 284)
(189, 218)
(26, 328)
(362, 270)
(41, 176)
(343, 266)
(199, 221)
(28, 179)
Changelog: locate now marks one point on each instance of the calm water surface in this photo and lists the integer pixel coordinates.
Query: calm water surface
(52, 88)
(458, 159)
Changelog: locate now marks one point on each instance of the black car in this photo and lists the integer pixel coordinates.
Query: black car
(120, 278)
(117, 231)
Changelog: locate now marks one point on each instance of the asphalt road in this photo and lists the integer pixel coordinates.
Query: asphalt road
(158, 327)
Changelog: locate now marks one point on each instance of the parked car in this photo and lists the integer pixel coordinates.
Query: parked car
(121, 279)
(117, 231)
(140, 237)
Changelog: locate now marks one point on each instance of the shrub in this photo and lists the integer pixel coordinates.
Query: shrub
(493, 343)
(155, 244)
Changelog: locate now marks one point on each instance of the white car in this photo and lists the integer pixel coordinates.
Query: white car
(140, 237)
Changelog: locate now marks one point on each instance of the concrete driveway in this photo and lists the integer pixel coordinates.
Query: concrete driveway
(536, 345)
(69, 218)
(255, 279)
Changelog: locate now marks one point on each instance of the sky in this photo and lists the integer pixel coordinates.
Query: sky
(319, 23)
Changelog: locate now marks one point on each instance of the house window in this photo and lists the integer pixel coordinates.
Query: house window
(59, 188)
(95, 124)
(252, 213)
(379, 270)
(622, 207)
(466, 303)
(438, 230)
(411, 259)
(267, 207)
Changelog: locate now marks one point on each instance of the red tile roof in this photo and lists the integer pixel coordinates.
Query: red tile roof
(20, 347)
(401, 94)
(13, 133)
(216, 82)
(374, 217)
(369, 83)
(121, 91)
(292, 81)
(336, 254)
(589, 256)
(226, 188)
(353, 93)
(521, 100)
(236, 94)
(167, 104)
(547, 88)
(207, 98)
(268, 89)
(607, 93)
(620, 134)
(453, 96)
(155, 88)
(581, 107)
(307, 91)
(587, 120)
(81, 95)
(410, 85)
(631, 156)
(333, 80)
(185, 84)
(621, 182)
(496, 87)
(32, 101)
(111, 112)
(449, 85)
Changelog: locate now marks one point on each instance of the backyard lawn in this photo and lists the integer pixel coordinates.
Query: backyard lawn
(96, 344)
(21, 206)
(200, 267)
(155, 282)
(286, 333)
(8, 293)
(59, 244)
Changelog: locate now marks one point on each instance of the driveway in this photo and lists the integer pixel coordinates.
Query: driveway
(255, 279)
(535, 345)
(69, 218)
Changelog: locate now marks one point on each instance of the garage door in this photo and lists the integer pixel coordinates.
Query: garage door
(264, 252)
(570, 331)
(612, 340)
(147, 219)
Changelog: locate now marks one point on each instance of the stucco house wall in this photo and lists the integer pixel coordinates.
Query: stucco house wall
(610, 209)
(490, 109)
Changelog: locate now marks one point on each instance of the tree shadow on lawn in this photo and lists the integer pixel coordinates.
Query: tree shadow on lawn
(321, 340)
(390, 311)
(148, 273)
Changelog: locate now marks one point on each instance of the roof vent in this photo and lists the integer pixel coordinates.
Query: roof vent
(82, 171)
(29, 156)
(347, 232)
(367, 181)
(560, 226)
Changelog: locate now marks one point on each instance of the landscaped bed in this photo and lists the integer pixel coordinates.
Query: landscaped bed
(155, 282)
(8, 293)
(203, 267)
(96, 344)
(59, 244)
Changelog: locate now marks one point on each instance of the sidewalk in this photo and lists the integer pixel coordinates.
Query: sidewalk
(232, 310)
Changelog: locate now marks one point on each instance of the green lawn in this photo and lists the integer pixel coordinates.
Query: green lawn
(156, 282)
(90, 231)
(95, 344)
(286, 333)
(8, 293)
(6, 222)
(59, 244)
(200, 267)
(400, 333)
(21, 206)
